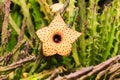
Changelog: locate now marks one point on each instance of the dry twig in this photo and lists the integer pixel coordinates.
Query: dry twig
(101, 68)
(8, 56)
(112, 77)
(5, 25)
(56, 72)
(19, 43)
(3, 77)
(21, 36)
(114, 68)
(17, 64)
(75, 74)
(5, 22)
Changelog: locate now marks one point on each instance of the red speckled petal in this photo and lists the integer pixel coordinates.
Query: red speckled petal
(70, 35)
(49, 49)
(44, 34)
(64, 49)
(58, 22)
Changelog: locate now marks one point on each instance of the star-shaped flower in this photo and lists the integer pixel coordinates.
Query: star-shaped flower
(57, 38)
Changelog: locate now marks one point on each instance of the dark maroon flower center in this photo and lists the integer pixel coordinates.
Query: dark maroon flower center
(57, 38)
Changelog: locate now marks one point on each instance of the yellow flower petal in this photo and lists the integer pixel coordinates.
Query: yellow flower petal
(43, 34)
(71, 35)
(49, 49)
(64, 49)
(57, 22)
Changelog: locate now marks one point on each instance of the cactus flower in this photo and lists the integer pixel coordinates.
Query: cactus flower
(57, 38)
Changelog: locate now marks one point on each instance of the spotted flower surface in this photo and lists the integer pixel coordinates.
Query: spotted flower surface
(57, 38)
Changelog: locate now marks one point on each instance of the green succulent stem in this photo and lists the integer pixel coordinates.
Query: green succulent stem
(82, 24)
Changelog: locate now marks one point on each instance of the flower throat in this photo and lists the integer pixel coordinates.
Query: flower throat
(57, 38)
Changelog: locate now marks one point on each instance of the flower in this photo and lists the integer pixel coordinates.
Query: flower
(57, 38)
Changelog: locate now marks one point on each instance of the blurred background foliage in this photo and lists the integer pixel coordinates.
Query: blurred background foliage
(98, 20)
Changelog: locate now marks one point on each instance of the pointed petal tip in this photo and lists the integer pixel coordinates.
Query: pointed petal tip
(64, 49)
(43, 34)
(71, 35)
(76, 36)
(80, 34)
(57, 21)
(49, 49)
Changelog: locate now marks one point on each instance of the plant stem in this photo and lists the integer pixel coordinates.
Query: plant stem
(5, 25)
(15, 27)
(82, 24)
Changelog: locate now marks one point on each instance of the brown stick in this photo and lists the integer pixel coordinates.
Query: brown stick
(17, 64)
(56, 72)
(3, 77)
(21, 36)
(114, 68)
(83, 74)
(5, 22)
(102, 66)
(79, 73)
(19, 43)
(8, 56)
(112, 77)
(102, 73)
(75, 74)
